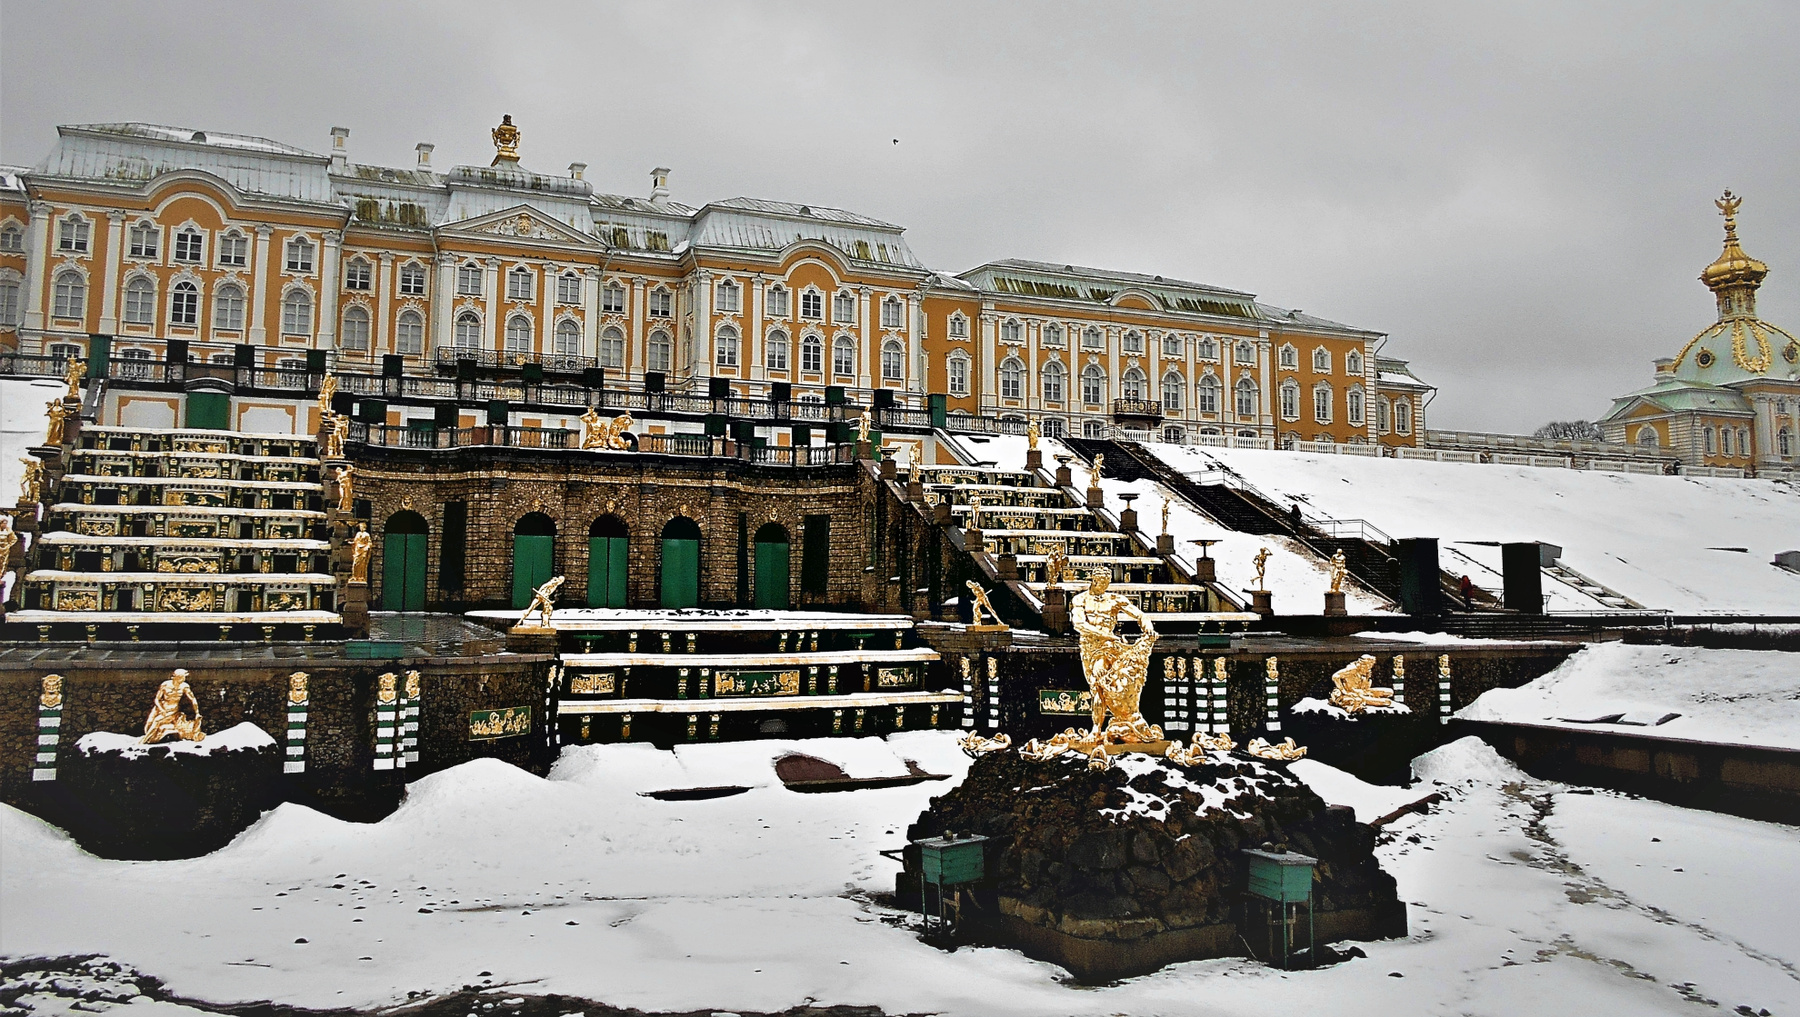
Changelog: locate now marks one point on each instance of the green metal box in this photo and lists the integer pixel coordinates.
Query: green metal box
(947, 862)
(1281, 876)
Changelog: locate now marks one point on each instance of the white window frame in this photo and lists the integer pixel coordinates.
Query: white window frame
(73, 234)
(659, 351)
(1012, 377)
(521, 284)
(467, 330)
(843, 308)
(728, 297)
(727, 347)
(1353, 406)
(145, 241)
(1054, 381)
(812, 354)
(612, 347)
(843, 357)
(1321, 360)
(470, 279)
(189, 247)
(568, 289)
(956, 370)
(566, 338)
(296, 303)
(1206, 394)
(1287, 358)
(1093, 385)
(1052, 337)
(893, 361)
(1353, 364)
(359, 275)
(776, 302)
(69, 295)
(1132, 385)
(356, 329)
(1324, 403)
(518, 336)
(233, 249)
(959, 325)
(12, 239)
(140, 300)
(1245, 395)
(184, 304)
(1290, 399)
(1132, 341)
(298, 255)
(612, 299)
(1173, 385)
(893, 312)
(228, 307)
(662, 303)
(410, 280)
(812, 304)
(409, 333)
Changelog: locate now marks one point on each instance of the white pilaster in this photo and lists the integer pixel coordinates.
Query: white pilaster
(115, 246)
(384, 304)
(262, 291)
(490, 286)
(37, 260)
(328, 290)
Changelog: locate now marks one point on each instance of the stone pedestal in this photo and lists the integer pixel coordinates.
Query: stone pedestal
(973, 540)
(864, 451)
(942, 514)
(1165, 544)
(1056, 609)
(1008, 567)
(530, 639)
(1262, 602)
(1096, 498)
(1128, 520)
(915, 491)
(355, 609)
(1034, 459)
(1063, 478)
(1205, 569)
(1334, 605)
(1375, 744)
(889, 471)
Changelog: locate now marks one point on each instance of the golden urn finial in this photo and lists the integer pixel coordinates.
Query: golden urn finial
(1732, 266)
(506, 141)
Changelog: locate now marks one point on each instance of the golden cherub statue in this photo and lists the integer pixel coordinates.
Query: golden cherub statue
(166, 715)
(506, 141)
(1262, 566)
(543, 603)
(346, 488)
(360, 545)
(1353, 692)
(31, 486)
(58, 416)
(73, 374)
(1032, 434)
(982, 603)
(1339, 568)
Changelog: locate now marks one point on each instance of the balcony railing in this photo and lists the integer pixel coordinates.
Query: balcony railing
(30, 365)
(1137, 408)
(493, 360)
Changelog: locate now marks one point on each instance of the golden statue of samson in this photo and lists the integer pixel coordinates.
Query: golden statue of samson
(166, 714)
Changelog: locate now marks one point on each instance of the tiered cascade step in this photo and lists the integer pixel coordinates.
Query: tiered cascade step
(179, 528)
(680, 676)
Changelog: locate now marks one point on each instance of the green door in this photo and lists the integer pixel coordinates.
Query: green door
(681, 563)
(606, 572)
(403, 572)
(209, 410)
(531, 565)
(772, 567)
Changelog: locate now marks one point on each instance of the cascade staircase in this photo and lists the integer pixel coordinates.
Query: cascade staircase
(179, 534)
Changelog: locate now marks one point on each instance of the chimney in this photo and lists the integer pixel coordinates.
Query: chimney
(1665, 368)
(340, 149)
(576, 169)
(659, 183)
(424, 149)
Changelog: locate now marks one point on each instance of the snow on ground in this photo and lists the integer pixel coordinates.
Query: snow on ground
(1526, 898)
(1654, 539)
(1740, 697)
(1298, 577)
(21, 427)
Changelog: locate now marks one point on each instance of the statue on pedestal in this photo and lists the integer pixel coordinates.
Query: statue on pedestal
(1339, 568)
(332, 427)
(982, 603)
(865, 425)
(346, 487)
(57, 414)
(1115, 670)
(167, 716)
(31, 486)
(1262, 566)
(360, 545)
(8, 540)
(1032, 434)
(73, 374)
(542, 603)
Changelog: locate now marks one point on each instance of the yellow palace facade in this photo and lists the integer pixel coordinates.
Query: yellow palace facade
(150, 245)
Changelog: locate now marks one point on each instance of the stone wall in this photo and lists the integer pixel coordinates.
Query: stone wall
(111, 690)
(644, 491)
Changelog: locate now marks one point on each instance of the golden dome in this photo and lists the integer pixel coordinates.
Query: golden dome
(1733, 266)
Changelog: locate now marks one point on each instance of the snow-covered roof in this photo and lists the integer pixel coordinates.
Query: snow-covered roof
(135, 154)
(1295, 316)
(189, 136)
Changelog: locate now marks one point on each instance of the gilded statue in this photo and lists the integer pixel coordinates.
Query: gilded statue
(1262, 566)
(1353, 692)
(57, 415)
(1056, 564)
(865, 426)
(1339, 568)
(982, 603)
(1283, 750)
(412, 684)
(385, 691)
(346, 488)
(297, 688)
(8, 540)
(332, 426)
(1096, 470)
(1165, 515)
(167, 716)
(52, 697)
(974, 745)
(506, 141)
(1115, 668)
(1032, 434)
(31, 486)
(73, 374)
(604, 434)
(1195, 752)
(327, 389)
(543, 602)
(360, 545)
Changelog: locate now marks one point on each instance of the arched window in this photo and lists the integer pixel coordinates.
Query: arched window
(725, 347)
(71, 295)
(518, 334)
(355, 335)
(1322, 404)
(1055, 379)
(662, 303)
(959, 326)
(843, 357)
(1091, 339)
(1784, 443)
(1206, 348)
(9, 302)
(519, 284)
(184, 304)
(299, 255)
(812, 354)
(412, 280)
(843, 309)
(612, 347)
(1648, 436)
(659, 352)
(1246, 397)
(144, 240)
(1290, 399)
(568, 338)
(409, 334)
(1403, 416)
(1381, 414)
(893, 361)
(1353, 364)
(72, 235)
(1134, 343)
(1172, 345)
(1353, 406)
(1245, 355)
(775, 350)
(777, 301)
(12, 240)
(1208, 394)
(1172, 386)
(612, 299)
(356, 274)
(468, 331)
(1012, 378)
(1321, 361)
(568, 289)
(1093, 384)
(1726, 445)
(893, 313)
(1174, 434)
(296, 313)
(727, 297)
(1053, 336)
(140, 301)
(1053, 427)
(1131, 384)
(1708, 440)
(1093, 429)
(234, 251)
(1743, 442)
(228, 308)
(959, 374)
(468, 279)
(189, 246)
(1287, 358)
(1011, 331)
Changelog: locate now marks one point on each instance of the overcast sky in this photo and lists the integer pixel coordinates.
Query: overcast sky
(1521, 196)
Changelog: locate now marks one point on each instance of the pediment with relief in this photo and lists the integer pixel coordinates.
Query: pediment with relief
(525, 223)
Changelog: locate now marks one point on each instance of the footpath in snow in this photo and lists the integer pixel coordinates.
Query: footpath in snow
(1525, 897)
(1685, 544)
